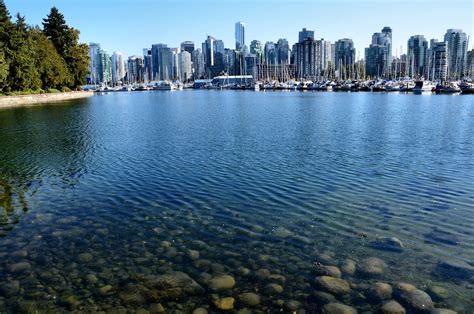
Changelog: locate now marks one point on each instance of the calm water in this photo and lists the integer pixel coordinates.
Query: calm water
(140, 200)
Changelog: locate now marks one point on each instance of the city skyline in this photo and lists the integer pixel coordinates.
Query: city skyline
(134, 39)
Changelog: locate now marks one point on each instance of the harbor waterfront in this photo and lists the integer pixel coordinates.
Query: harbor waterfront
(213, 201)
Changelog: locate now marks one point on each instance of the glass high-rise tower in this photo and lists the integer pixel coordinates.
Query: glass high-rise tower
(239, 35)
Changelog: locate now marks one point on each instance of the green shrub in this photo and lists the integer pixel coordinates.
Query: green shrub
(65, 89)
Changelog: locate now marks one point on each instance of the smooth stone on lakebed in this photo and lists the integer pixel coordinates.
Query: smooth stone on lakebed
(380, 291)
(418, 300)
(322, 270)
(333, 285)
(323, 297)
(392, 307)
(19, 267)
(438, 293)
(388, 244)
(348, 267)
(281, 232)
(200, 310)
(250, 298)
(273, 288)
(224, 303)
(458, 269)
(338, 308)
(443, 311)
(85, 257)
(222, 282)
(371, 266)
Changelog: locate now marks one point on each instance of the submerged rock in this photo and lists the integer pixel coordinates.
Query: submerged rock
(19, 267)
(457, 269)
(388, 244)
(392, 307)
(222, 282)
(333, 285)
(349, 267)
(443, 311)
(157, 308)
(85, 257)
(438, 293)
(322, 298)
(250, 298)
(372, 266)
(380, 291)
(224, 303)
(281, 232)
(338, 308)
(418, 300)
(322, 270)
(273, 288)
(200, 310)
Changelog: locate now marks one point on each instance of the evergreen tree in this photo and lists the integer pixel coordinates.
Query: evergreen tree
(3, 68)
(51, 67)
(55, 28)
(66, 41)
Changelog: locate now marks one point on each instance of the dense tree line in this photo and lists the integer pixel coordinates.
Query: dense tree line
(35, 59)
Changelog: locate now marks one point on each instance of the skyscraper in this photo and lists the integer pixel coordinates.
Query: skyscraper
(135, 70)
(305, 34)
(283, 51)
(187, 46)
(199, 66)
(440, 53)
(305, 59)
(270, 53)
(185, 66)
(104, 67)
(118, 68)
(418, 59)
(256, 49)
(239, 35)
(208, 51)
(375, 60)
(147, 63)
(382, 41)
(344, 54)
(456, 41)
(161, 61)
(93, 76)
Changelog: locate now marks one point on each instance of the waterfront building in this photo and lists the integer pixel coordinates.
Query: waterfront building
(344, 55)
(256, 49)
(305, 34)
(148, 64)
(250, 62)
(283, 52)
(381, 43)
(208, 51)
(470, 64)
(175, 66)
(418, 58)
(323, 54)
(306, 59)
(136, 68)
(440, 53)
(104, 67)
(161, 62)
(230, 61)
(375, 61)
(118, 68)
(457, 42)
(185, 66)
(187, 46)
(239, 35)
(270, 55)
(198, 65)
(93, 76)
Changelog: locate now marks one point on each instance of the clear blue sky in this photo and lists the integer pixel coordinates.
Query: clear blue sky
(130, 25)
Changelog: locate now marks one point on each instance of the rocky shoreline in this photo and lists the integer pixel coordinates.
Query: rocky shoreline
(28, 100)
